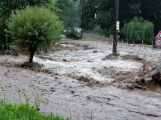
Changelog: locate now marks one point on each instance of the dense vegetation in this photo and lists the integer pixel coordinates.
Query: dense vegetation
(66, 10)
(9, 6)
(81, 13)
(148, 10)
(139, 30)
(69, 13)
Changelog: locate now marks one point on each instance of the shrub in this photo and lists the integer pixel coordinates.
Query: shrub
(98, 30)
(105, 20)
(72, 34)
(35, 28)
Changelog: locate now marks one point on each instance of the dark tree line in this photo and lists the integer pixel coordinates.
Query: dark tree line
(128, 9)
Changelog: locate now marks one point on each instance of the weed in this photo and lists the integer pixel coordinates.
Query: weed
(24, 111)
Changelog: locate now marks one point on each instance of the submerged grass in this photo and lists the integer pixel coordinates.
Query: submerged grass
(81, 40)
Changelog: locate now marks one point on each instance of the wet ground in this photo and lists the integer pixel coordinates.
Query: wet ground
(63, 94)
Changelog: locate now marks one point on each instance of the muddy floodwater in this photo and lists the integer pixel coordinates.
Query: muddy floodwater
(81, 82)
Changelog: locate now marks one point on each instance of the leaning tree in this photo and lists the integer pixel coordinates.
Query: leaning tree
(35, 28)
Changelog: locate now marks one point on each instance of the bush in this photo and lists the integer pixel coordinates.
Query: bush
(72, 34)
(35, 28)
(98, 30)
(105, 21)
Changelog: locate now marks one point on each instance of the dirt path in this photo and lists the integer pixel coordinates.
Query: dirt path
(68, 97)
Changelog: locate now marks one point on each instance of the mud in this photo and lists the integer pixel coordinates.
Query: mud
(132, 57)
(70, 47)
(125, 75)
(31, 65)
(111, 57)
(79, 85)
(70, 98)
(9, 52)
(147, 77)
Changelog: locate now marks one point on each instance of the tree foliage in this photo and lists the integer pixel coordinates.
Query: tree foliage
(139, 29)
(82, 7)
(104, 19)
(35, 28)
(69, 13)
(104, 10)
(128, 9)
(9, 6)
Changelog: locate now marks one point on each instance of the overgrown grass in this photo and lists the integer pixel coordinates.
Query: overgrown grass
(72, 41)
(24, 111)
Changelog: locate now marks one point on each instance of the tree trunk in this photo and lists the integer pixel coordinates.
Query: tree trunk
(32, 51)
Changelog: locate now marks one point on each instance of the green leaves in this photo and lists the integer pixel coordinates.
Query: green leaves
(69, 13)
(11, 6)
(139, 29)
(37, 27)
(24, 112)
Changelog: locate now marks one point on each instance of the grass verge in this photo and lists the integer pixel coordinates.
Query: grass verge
(24, 111)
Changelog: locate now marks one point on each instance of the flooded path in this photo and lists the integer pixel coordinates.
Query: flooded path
(73, 99)
(70, 98)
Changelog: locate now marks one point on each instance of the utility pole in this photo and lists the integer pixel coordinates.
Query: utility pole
(116, 27)
(95, 15)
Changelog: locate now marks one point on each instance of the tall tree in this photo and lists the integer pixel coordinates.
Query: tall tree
(128, 10)
(82, 5)
(69, 13)
(147, 9)
(139, 29)
(152, 12)
(104, 18)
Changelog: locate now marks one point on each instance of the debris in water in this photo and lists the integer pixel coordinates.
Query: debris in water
(31, 65)
(132, 57)
(111, 57)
